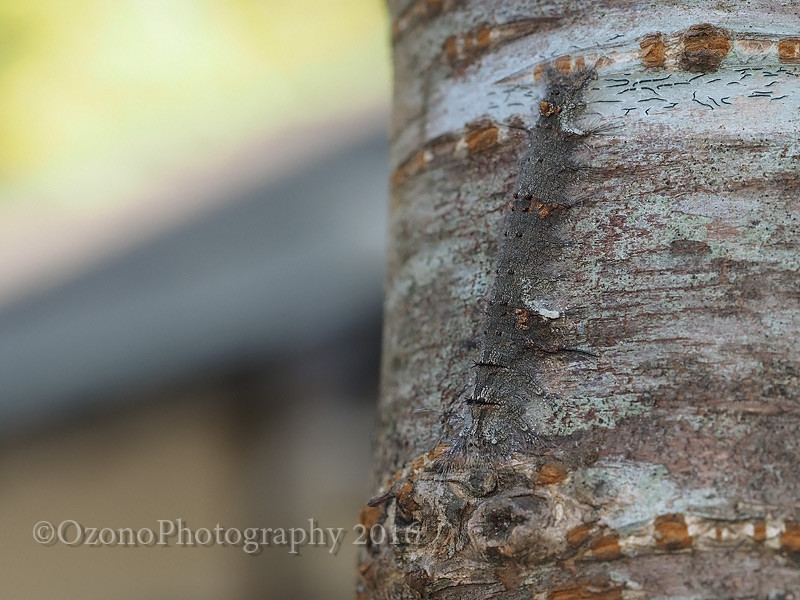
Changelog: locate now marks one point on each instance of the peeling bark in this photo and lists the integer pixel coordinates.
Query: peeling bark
(635, 432)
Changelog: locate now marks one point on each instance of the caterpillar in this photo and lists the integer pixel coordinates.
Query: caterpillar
(504, 403)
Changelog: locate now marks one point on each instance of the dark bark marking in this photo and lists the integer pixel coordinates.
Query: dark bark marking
(689, 248)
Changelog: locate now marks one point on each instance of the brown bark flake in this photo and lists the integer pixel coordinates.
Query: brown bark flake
(606, 546)
(760, 532)
(414, 165)
(551, 473)
(653, 50)
(563, 63)
(405, 501)
(789, 50)
(578, 535)
(790, 538)
(371, 515)
(481, 138)
(466, 48)
(672, 532)
(704, 47)
(584, 589)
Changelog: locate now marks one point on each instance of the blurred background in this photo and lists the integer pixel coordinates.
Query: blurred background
(192, 228)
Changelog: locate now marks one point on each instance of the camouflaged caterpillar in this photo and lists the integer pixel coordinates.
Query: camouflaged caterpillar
(504, 404)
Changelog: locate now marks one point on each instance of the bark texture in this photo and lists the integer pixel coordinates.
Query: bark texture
(635, 432)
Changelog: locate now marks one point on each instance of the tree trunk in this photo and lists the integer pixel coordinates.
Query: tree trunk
(589, 384)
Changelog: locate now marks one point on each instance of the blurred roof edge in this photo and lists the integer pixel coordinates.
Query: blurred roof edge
(253, 259)
(42, 246)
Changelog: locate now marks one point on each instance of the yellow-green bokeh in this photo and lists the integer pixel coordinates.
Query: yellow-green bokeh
(111, 89)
